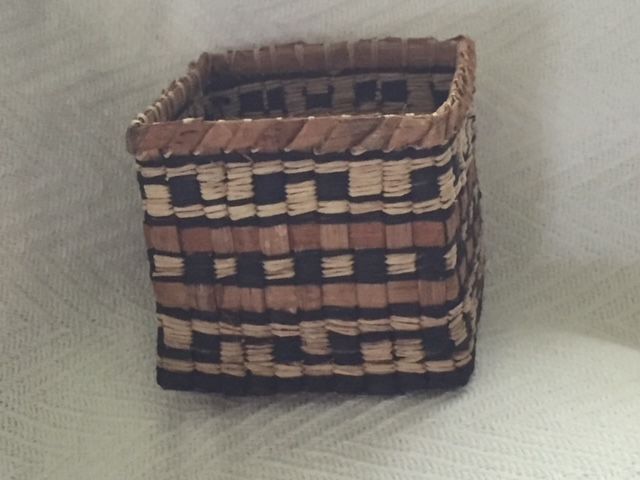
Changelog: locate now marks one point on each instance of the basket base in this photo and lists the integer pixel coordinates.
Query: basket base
(399, 383)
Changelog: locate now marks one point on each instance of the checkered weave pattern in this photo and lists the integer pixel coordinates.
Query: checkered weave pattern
(315, 228)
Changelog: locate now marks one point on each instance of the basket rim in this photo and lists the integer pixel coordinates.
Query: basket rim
(154, 130)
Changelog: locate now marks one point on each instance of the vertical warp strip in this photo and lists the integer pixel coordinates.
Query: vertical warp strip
(402, 283)
(278, 265)
(235, 326)
(367, 240)
(207, 328)
(195, 243)
(175, 364)
(176, 335)
(393, 92)
(343, 94)
(419, 94)
(304, 233)
(338, 287)
(472, 228)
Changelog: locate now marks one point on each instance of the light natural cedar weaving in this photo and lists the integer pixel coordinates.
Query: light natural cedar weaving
(312, 218)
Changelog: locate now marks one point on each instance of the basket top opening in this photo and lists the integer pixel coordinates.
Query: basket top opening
(296, 90)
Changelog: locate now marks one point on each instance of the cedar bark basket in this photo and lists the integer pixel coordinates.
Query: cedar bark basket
(312, 218)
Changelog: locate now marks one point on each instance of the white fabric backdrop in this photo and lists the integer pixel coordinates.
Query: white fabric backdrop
(557, 389)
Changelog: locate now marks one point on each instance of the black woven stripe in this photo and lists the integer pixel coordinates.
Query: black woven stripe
(254, 318)
(332, 186)
(192, 222)
(185, 190)
(424, 184)
(373, 337)
(333, 219)
(293, 178)
(411, 310)
(250, 272)
(206, 344)
(283, 317)
(365, 198)
(351, 355)
(369, 266)
(287, 349)
(269, 188)
(199, 269)
(169, 279)
(273, 220)
(394, 90)
(240, 202)
(157, 180)
(437, 343)
(169, 220)
(372, 313)
(179, 313)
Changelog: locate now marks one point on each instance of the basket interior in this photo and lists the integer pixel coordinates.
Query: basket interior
(233, 96)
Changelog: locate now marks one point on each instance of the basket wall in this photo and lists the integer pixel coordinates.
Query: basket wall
(354, 271)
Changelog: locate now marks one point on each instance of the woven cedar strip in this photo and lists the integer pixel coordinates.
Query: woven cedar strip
(280, 300)
(146, 125)
(201, 291)
(366, 179)
(305, 238)
(245, 240)
(409, 353)
(217, 241)
(170, 294)
(340, 297)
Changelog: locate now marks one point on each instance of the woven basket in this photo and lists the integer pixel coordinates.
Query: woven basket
(312, 218)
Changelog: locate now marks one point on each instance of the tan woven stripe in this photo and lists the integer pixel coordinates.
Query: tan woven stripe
(379, 368)
(174, 365)
(256, 331)
(212, 181)
(166, 266)
(458, 330)
(333, 207)
(314, 338)
(282, 330)
(319, 370)
(283, 370)
(158, 200)
(208, 328)
(399, 263)
(177, 333)
(396, 178)
(365, 178)
(224, 267)
(279, 269)
(209, 368)
(380, 325)
(377, 351)
(405, 324)
(343, 327)
(440, 366)
(301, 198)
(337, 266)
(348, 370)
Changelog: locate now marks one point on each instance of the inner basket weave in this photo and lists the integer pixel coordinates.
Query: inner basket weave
(312, 218)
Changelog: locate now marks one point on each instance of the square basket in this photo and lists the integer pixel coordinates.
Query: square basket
(312, 218)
